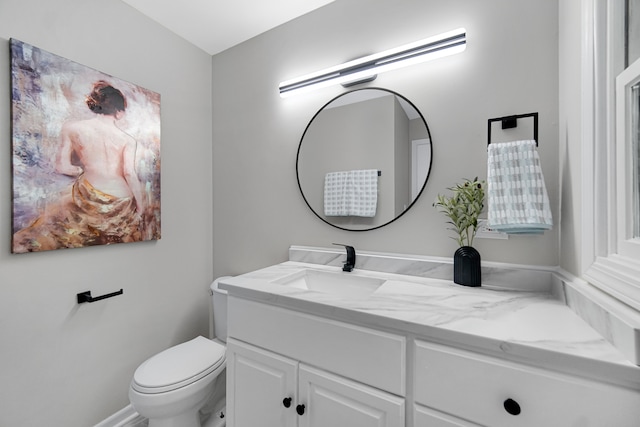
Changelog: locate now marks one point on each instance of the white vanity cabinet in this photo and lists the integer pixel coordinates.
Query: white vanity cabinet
(288, 368)
(269, 390)
(497, 393)
(285, 368)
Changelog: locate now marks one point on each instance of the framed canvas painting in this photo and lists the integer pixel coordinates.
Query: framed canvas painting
(86, 155)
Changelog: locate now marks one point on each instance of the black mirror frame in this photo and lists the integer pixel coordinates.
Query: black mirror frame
(412, 202)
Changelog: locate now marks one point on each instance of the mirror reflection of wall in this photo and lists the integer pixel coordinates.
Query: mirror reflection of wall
(363, 130)
(635, 150)
(633, 31)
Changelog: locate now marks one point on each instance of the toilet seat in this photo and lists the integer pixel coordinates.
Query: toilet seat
(178, 366)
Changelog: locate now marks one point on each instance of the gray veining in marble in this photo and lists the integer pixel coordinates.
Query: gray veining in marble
(614, 321)
(617, 322)
(519, 313)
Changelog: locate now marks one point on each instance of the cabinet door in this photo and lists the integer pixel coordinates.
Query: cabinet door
(257, 384)
(425, 417)
(330, 400)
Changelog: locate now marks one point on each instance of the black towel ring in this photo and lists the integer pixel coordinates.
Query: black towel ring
(509, 122)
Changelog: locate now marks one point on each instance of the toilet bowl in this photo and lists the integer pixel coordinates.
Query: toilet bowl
(172, 387)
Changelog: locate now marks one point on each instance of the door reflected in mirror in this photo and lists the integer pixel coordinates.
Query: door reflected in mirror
(364, 159)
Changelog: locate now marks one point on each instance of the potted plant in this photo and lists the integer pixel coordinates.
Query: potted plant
(463, 209)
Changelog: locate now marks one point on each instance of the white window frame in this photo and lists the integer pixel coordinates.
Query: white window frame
(628, 245)
(611, 257)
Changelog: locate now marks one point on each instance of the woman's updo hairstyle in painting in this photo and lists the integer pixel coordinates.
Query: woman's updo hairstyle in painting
(105, 99)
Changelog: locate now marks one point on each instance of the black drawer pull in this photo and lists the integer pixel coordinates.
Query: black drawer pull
(512, 407)
(286, 402)
(300, 409)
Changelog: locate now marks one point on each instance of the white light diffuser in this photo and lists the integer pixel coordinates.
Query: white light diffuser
(428, 49)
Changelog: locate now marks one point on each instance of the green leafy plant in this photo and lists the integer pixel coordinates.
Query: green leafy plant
(463, 209)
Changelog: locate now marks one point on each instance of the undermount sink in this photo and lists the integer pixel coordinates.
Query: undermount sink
(332, 282)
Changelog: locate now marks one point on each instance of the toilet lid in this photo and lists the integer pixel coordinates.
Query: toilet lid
(179, 366)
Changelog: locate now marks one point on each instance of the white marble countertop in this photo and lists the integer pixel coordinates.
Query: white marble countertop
(532, 327)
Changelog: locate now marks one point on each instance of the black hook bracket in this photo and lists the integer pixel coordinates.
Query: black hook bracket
(86, 296)
(510, 122)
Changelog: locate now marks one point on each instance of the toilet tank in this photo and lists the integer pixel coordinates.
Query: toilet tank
(219, 300)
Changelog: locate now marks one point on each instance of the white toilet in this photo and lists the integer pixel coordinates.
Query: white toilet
(172, 387)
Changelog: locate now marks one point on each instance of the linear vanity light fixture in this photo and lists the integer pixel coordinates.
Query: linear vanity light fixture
(366, 68)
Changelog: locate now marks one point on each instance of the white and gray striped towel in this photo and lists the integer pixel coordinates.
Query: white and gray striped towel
(517, 197)
(351, 193)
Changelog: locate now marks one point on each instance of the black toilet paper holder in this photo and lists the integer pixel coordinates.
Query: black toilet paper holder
(86, 296)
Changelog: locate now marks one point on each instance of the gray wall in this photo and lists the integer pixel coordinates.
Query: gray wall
(510, 66)
(402, 160)
(67, 365)
(571, 128)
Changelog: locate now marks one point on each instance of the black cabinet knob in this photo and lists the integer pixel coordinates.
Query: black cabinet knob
(300, 409)
(286, 402)
(512, 407)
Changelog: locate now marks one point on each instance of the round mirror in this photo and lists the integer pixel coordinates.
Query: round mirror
(364, 159)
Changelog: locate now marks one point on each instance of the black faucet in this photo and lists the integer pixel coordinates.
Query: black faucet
(351, 257)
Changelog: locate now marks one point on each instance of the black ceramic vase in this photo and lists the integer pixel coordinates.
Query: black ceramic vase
(466, 267)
